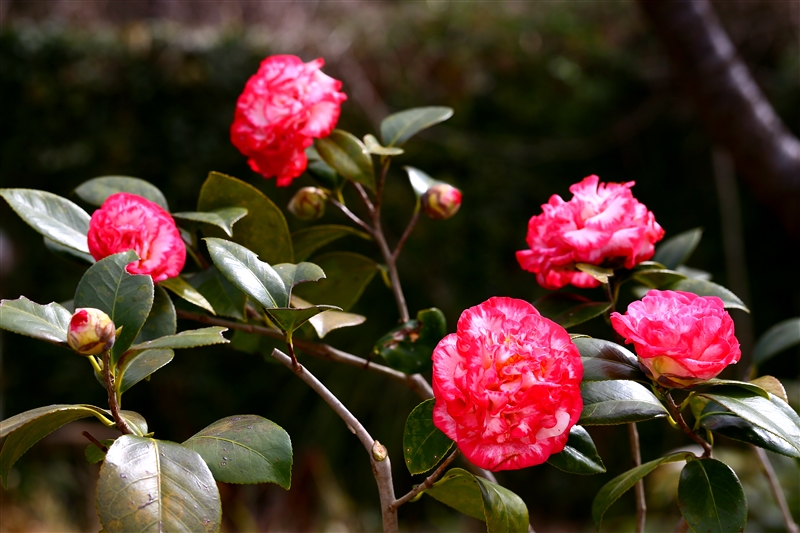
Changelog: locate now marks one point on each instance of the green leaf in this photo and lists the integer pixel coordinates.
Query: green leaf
(224, 217)
(309, 240)
(674, 251)
(719, 420)
(777, 338)
(224, 297)
(242, 268)
(424, 445)
(95, 191)
(125, 298)
(289, 319)
(773, 415)
(399, 127)
(162, 319)
(47, 322)
(346, 276)
(714, 382)
(711, 498)
(348, 156)
(502, 510)
(182, 288)
(599, 273)
(70, 254)
(408, 348)
(152, 485)
(186, 339)
(568, 310)
(55, 217)
(605, 360)
(579, 456)
(245, 449)
(618, 486)
(26, 429)
(94, 454)
(322, 171)
(293, 275)
(618, 402)
(138, 366)
(708, 288)
(330, 320)
(264, 230)
(419, 180)
(374, 147)
(656, 278)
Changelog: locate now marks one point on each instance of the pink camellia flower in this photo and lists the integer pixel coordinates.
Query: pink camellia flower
(284, 106)
(507, 385)
(602, 224)
(129, 222)
(680, 338)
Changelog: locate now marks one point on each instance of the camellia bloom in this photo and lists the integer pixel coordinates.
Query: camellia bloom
(129, 222)
(91, 331)
(507, 385)
(441, 201)
(602, 224)
(680, 338)
(284, 106)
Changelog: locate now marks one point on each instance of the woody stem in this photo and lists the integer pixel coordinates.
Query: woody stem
(113, 405)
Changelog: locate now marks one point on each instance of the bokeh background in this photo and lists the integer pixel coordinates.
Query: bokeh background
(545, 93)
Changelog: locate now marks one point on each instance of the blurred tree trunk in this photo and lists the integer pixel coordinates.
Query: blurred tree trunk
(732, 107)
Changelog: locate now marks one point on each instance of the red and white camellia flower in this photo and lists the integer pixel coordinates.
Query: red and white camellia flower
(129, 222)
(680, 338)
(507, 385)
(284, 106)
(602, 224)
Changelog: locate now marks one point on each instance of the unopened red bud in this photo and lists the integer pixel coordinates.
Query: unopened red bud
(441, 201)
(308, 203)
(91, 331)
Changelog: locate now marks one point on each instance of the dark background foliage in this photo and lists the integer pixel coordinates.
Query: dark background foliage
(544, 95)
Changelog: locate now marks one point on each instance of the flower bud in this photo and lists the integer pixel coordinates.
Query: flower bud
(441, 201)
(308, 203)
(379, 452)
(91, 332)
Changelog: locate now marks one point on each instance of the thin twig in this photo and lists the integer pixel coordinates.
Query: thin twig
(641, 502)
(94, 441)
(382, 470)
(775, 487)
(429, 481)
(352, 216)
(411, 224)
(112, 396)
(387, 161)
(678, 417)
(365, 198)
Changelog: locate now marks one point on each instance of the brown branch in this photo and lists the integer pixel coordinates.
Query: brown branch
(775, 487)
(675, 412)
(113, 405)
(94, 441)
(428, 483)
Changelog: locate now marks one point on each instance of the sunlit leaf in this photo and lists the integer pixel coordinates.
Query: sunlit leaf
(224, 217)
(46, 322)
(225, 298)
(348, 156)
(182, 288)
(242, 267)
(139, 365)
(95, 191)
(399, 127)
(419, 180)
(374, 147)
(55, 217)
(618, 402)
(599, 273)
(186, 339)
(708, 288)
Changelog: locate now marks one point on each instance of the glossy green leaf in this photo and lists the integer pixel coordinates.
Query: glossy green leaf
(309, 240)
(711, 498)
(424, 445)
(224, 217)
(579, 455)
(618, 402)
(711, 383)
(502, 510)
(55, 217)
(243, 268)
(772, 385)
(293, 275)
(419, 180)
(376, 148)
(656, 278)
(70, 254)
(675, 250)
(225, 298)
(162, 319)
(26, 429)
(96, 190)
(186, 339)
(773, 415)
(778, 338)
(399, 127)
(605, 360)
(139, 365)
(289, 319)
(151, 485)
(182, 288)
(264, 230)
(47, 322)
(94, 454)
(599, 273)
(245, 449)
(408, 348)
(708, 288)
(331, 320)
(618, 486)
(126, 298)
(346, 154)
(568, 310)
(719, 420)
(322, 171)
(346, 276)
